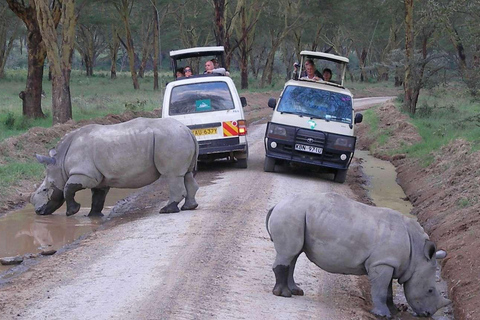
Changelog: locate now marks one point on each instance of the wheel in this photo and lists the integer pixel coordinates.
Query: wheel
(241, 163)
(340, 175)
(269, 164)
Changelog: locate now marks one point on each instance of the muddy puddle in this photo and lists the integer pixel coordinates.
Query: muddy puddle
(385, 192)
(382, 184)
(23, 232)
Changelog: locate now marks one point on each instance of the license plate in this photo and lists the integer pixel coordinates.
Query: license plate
(204, 132)
(301, 147)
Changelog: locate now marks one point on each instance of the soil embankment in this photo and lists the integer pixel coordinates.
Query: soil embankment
(446, 201)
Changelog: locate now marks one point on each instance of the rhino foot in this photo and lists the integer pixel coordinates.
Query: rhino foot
(297, 291)
(282, 291)
(382, 312)
(170, 208)
(73, 208)
(190, 205)
(95, 214)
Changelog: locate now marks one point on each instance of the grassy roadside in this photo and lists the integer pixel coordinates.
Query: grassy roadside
(443, 114)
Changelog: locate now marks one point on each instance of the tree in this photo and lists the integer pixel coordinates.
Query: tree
(59, 54)
(124, 8)
(32, 95)
(409, 58)
(8, 34)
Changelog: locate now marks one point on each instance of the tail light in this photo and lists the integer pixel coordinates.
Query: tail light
(242, 127)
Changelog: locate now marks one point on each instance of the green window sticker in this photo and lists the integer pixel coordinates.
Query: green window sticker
(203, 105)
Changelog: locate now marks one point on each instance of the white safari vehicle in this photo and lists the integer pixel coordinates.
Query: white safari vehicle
(313, 121)
(210, 106)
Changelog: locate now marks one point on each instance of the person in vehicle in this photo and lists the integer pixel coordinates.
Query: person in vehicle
(188, 71)
(327, 74)
(310, 73)
(210, 68)
(179, 72)
(304, 72)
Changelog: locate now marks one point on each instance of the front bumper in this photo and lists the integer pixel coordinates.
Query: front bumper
(330, 157)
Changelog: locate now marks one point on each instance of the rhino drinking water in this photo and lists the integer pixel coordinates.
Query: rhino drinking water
(344, 236)
(132, 154)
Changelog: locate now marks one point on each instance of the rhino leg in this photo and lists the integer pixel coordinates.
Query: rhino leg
(192, 187)
(172, 207)
(76, 183)
(296, 290)
(391, 306)
(177, 193)
(281, 281)
(380, 279)
(70, 190)
(98, 201)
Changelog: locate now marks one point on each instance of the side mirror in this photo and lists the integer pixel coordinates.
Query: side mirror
(358, 118)
(244, 101)
(272, 102)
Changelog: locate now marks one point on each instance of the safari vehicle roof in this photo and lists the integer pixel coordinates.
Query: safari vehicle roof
(197, 52)
(341, 61)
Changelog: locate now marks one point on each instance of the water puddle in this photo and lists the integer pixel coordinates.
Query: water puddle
(385, 192)
(383, 187)
(24, 232)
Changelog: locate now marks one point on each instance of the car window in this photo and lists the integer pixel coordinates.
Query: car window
(200, 97)
(322, 104)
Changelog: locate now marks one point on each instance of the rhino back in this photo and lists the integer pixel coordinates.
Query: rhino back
(131, 154)
(345, 236)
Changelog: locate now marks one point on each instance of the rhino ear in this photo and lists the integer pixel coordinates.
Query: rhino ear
(429, 249)
(45, 160)
(52, 153)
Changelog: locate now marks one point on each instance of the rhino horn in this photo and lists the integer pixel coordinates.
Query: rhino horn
(443, 302)
(45, 160)
(440, 254)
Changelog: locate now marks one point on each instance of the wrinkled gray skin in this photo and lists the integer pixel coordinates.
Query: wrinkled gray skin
(132, 154)
(344, 236)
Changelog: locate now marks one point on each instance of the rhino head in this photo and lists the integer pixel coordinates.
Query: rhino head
(49, 196)
(420, 290)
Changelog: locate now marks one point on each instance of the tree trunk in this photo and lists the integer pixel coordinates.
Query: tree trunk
(113, 47)
(88, 65)
(409, 57)
(124, 11)
(362, 58)
(59, 58)
(156, 49)
(219, 7)
(32, 95)
(131, 55)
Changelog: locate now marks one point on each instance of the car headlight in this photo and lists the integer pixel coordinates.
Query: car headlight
(278, 132)
(343, 143)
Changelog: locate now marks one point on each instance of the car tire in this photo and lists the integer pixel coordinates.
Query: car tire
(340, 176)
(269, 164)
(241, 163)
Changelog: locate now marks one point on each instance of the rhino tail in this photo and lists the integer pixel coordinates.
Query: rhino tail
(266, 221)
(193, 164)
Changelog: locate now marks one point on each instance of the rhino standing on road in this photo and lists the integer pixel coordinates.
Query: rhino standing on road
(344, 236)
(131, 154)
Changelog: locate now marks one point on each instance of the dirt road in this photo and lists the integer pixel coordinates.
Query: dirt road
(210, 263)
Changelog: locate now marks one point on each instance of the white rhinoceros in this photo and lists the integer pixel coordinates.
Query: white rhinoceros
(344, 236)
(131, 154)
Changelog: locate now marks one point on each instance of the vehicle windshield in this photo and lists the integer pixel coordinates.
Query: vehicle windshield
(200, 97)
(315, 103)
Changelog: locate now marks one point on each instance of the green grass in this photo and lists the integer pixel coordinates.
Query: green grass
(13, 171)
(92, 97)
(443, 115)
